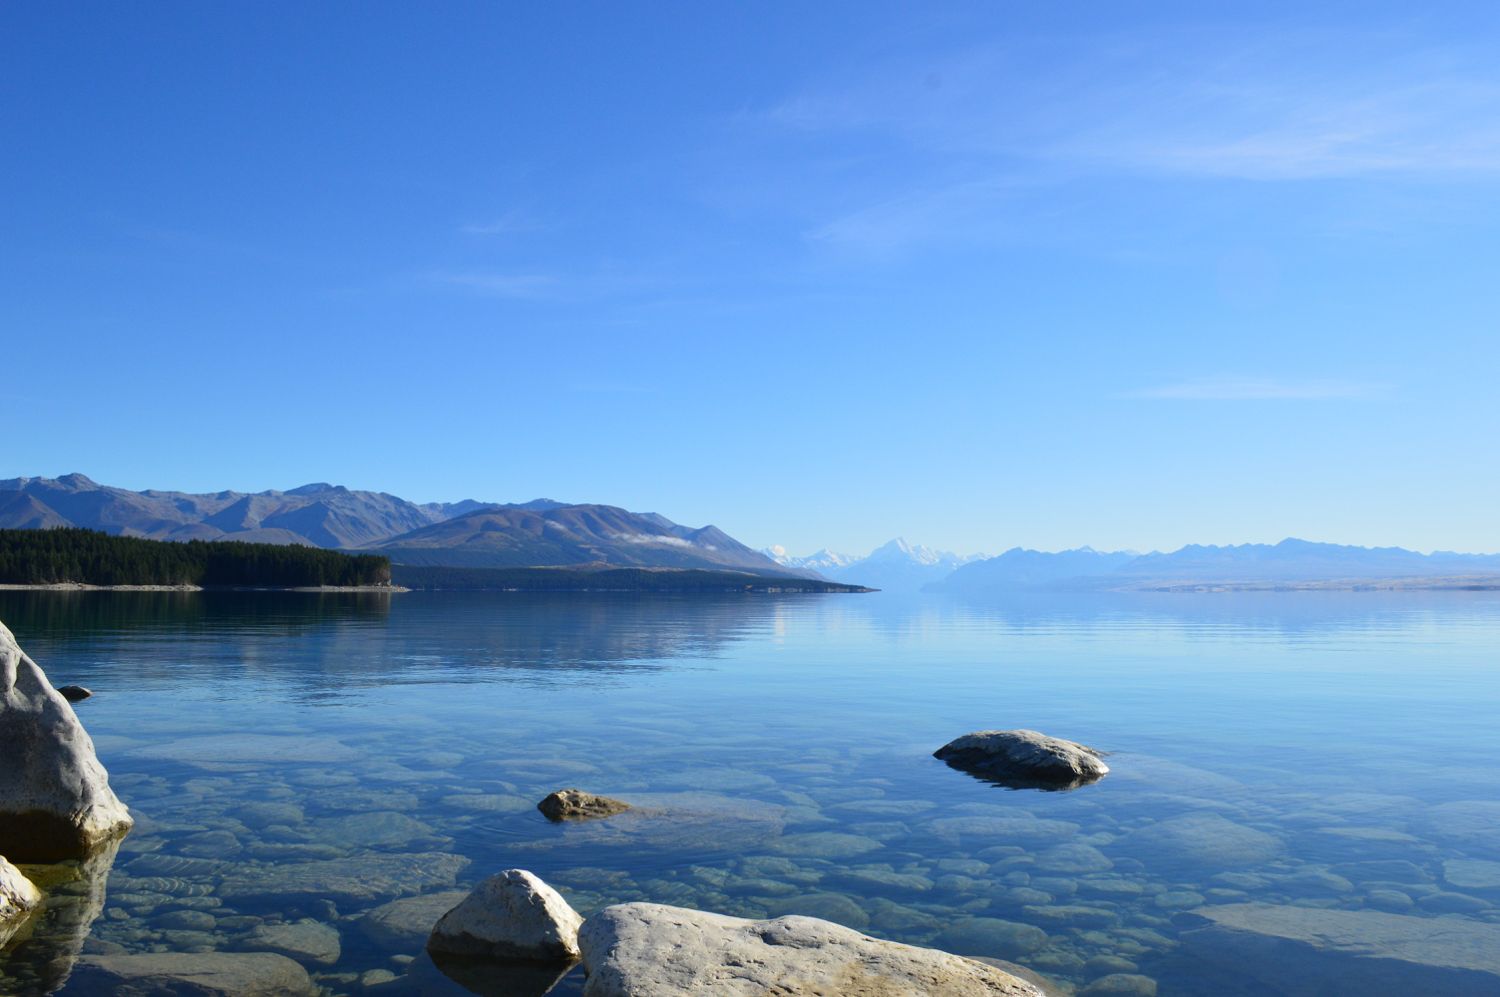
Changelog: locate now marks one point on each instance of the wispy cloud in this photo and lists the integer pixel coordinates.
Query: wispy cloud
(507, 224)
(497, 285)
(1249, 389)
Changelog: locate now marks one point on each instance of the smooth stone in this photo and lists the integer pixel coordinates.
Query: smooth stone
(349, 881)
(990, 936)
(74, 693)
(55, 800)
(187, 920)
(1178, 899)
(1202, 839)
(833, 907)
(1472, 874)
(1121, 983)
(1302, 951)
(1073, 858)
(305, 940)
(1024, 759)
(1453, 903)
(511, 915)
(639, 948)
(1391, 900)
(575, 804)
(210, 974)
(1104, 965)
(403, 925)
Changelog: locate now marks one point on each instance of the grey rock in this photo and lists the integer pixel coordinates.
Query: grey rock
(639, 948)
(1024, 759)
(991, 936)
(1121, 983)
(511, 915)
(1303, 951)
(1201, 840)
(210, 974)
(305, 940)
(402, 926)
(575, 804)
(55, 800)
(1472, 874)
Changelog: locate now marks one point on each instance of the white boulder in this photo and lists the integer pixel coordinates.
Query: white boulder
(55, 800)
(511, 915)
(639, 949)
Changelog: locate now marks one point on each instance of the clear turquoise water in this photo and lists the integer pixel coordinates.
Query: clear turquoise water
(1325, 750)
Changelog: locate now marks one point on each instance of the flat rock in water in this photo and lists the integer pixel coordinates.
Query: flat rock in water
(641, 948)
(401, 927)
(575, 804)
(511, 915)
(1203, 840)
(306, 940)
(1302, 951)
(1024, 759)
(55, 800)
(208, 974)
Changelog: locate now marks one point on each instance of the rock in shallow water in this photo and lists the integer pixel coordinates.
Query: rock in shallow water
(511, 915)
(1024, 759)
(575, 804)
(1303, 952)
(74, 693)
(641, 948)
(55, 800)
(209, 974)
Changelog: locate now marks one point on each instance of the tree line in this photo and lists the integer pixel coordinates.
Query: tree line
(88, 557)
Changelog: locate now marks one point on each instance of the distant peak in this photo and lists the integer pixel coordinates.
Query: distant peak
(314, 488)
(76, 480)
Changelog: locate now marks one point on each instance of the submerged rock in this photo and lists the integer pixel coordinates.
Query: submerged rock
(402, 926)
(642, 948)
(511, 915)
(1024, 759)
(1303, 951)
(575, 804)
(55, 800)
(207, 974)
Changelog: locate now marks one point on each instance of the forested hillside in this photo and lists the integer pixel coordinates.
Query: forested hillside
(43, 557)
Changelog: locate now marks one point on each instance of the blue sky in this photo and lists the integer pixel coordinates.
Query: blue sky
(980, 274)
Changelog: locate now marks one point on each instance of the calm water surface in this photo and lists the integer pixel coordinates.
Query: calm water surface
(299, 762)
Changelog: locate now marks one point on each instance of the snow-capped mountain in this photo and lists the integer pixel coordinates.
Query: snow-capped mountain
(823, 560)
(896, 566)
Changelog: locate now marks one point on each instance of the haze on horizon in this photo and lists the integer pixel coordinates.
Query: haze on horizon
(976, 275)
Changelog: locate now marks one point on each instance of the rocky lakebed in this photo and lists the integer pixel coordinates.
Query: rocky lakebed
(301, 847)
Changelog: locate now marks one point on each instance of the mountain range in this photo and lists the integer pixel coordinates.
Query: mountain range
(895, 566)
(471, 534)
(1290, 563)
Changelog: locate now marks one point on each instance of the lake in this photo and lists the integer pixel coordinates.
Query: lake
(296, 762)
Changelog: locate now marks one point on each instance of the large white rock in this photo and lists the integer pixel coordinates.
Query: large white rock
(511, 915)
(1025, 759)
(18, 897)
(641, 949)
(55, 800)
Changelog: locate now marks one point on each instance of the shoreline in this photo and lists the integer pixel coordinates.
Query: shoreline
(84, 587)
